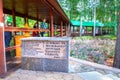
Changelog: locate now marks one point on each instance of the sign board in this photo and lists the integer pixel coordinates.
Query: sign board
(45, 49)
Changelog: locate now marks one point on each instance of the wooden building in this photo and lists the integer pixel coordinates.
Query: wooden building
(30, 9)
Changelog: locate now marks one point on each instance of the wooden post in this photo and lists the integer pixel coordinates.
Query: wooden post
(37, 19)
(14, 18)
(37, 23)
(2, 45)
(51, 24)
(61, 29)
(14, 25)
(66, 30)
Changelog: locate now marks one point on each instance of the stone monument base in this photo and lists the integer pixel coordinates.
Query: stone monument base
(45, 54)
(44, 64)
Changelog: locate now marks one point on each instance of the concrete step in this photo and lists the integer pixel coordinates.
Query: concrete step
(112, 76)
(94, 75)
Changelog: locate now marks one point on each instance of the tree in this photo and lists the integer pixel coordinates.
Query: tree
(117, 47)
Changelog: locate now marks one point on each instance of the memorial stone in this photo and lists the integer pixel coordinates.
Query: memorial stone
(45, 54)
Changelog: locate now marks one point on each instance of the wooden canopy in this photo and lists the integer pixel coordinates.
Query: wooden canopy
(30, 9)
(34, 9)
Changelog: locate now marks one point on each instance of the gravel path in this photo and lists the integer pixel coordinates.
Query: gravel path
(38, 75)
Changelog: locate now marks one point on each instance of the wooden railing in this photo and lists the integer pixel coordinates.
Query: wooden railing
(12, 48)
(15, 29)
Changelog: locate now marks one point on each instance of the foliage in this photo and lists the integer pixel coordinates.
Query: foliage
(111, 37)
(95, 50)
(31, 23)
(83, 38)
(107, 10)
(19, 22)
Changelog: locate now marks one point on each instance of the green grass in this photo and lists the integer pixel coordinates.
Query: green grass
(46, 34)
(111, 37)
(84, 38)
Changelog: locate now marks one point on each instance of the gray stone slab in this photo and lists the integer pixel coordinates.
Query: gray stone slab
(45, 54)
(93, 76)
(38, 64)
(113, 77)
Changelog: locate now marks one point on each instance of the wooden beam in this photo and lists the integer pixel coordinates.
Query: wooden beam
(61, 28)
(51, 24)
(19, 14)
(2, 45)
(15, 29)
(57, 7)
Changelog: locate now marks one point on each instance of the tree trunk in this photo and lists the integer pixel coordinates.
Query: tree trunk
(116, 63)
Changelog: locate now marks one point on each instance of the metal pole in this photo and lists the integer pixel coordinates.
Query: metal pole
(94, 21)
(101, 30)
(81, 27)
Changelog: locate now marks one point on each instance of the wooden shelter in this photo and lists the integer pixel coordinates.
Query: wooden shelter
(30, 9)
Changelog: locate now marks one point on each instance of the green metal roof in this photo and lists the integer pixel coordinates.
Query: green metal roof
(87, 23)
(91, 24)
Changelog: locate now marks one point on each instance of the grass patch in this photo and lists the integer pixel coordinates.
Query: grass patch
(111, 37)
(84, 38)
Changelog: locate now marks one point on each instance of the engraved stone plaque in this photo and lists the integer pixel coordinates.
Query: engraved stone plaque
(45, 54)
(45, 49)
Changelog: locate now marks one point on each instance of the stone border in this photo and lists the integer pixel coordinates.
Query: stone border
(95, 65)
(47, 38)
